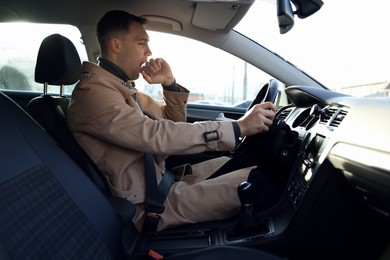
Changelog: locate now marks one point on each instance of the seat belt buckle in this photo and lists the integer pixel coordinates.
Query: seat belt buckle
(154, 207)
(154, 255)
(151, 221)
(152, 215)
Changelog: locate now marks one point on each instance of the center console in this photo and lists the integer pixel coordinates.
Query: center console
(305, 168)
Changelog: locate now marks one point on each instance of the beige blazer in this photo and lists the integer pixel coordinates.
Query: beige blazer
(109, 124)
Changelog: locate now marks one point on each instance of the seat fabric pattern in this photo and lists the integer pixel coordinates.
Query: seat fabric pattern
(47, 203)
(34, 226)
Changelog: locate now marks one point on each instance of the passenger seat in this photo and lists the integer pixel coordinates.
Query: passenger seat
(49, 207)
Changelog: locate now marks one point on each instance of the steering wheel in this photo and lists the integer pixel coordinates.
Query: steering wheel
(268, 92)
(275, 150)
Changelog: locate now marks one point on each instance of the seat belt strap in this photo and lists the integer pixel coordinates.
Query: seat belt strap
(155, 194)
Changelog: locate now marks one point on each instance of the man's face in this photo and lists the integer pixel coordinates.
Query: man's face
(134, 50)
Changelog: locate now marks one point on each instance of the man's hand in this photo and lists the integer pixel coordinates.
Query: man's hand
(258, 119)
(157, 71)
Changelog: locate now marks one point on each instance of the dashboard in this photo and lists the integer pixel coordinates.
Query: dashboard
(349, 132)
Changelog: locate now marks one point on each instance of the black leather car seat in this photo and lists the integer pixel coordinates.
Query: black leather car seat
(51, 210)
(49, 207)
(58, 63)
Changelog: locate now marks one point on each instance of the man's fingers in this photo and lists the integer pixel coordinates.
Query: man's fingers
(268, 121)
(153, 66)
(154, 63)
(267, 105)
(268, 110)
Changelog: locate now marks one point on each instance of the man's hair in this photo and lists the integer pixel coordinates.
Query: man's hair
(115, 22)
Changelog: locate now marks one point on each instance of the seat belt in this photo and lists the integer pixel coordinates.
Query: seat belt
(155, 194)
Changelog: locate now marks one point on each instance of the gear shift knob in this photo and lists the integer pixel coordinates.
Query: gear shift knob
(248, 222)
(244, 191)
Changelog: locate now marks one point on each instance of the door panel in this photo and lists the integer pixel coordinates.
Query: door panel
(196, 112)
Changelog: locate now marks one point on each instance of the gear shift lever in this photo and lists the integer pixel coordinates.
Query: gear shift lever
(244, 191)
(248, 222)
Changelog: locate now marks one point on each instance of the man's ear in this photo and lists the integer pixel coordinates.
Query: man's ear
(115, 45)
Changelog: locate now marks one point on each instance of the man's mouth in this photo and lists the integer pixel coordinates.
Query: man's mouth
(141, 66)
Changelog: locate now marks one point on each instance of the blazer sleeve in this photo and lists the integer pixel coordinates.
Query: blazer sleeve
(176, 104)
(117, 120)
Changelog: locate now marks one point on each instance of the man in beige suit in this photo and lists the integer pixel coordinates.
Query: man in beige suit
(117, 125)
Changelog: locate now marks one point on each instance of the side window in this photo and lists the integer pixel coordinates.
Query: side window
(18, 54)
(213, 76)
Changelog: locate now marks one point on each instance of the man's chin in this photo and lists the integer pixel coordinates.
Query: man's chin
(135, 76)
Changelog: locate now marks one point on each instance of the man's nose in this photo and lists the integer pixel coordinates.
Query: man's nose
(148, 52)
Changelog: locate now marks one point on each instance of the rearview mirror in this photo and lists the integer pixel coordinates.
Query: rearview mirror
(305, 8)
(285, 16)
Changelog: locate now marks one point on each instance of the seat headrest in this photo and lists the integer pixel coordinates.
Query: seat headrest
(58, 62)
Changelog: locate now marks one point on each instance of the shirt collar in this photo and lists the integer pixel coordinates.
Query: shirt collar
(114, 69)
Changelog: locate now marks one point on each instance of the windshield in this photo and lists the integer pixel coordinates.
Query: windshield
(344, 45)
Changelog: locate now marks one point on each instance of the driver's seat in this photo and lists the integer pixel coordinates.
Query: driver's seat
(59, 64)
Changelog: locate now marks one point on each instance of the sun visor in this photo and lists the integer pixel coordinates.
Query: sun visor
(155, 21)
(213, 16)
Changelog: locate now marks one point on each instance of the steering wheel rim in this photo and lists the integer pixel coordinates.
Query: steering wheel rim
(268, 92)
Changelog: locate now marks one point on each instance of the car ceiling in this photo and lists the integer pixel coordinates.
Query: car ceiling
(189, 13)
(183, 17)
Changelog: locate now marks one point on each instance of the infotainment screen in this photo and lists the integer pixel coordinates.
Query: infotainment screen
(310, 156)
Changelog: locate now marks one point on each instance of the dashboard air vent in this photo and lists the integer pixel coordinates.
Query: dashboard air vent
(338, 118)
(332, 116)
(326, 114)
(284, 114)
